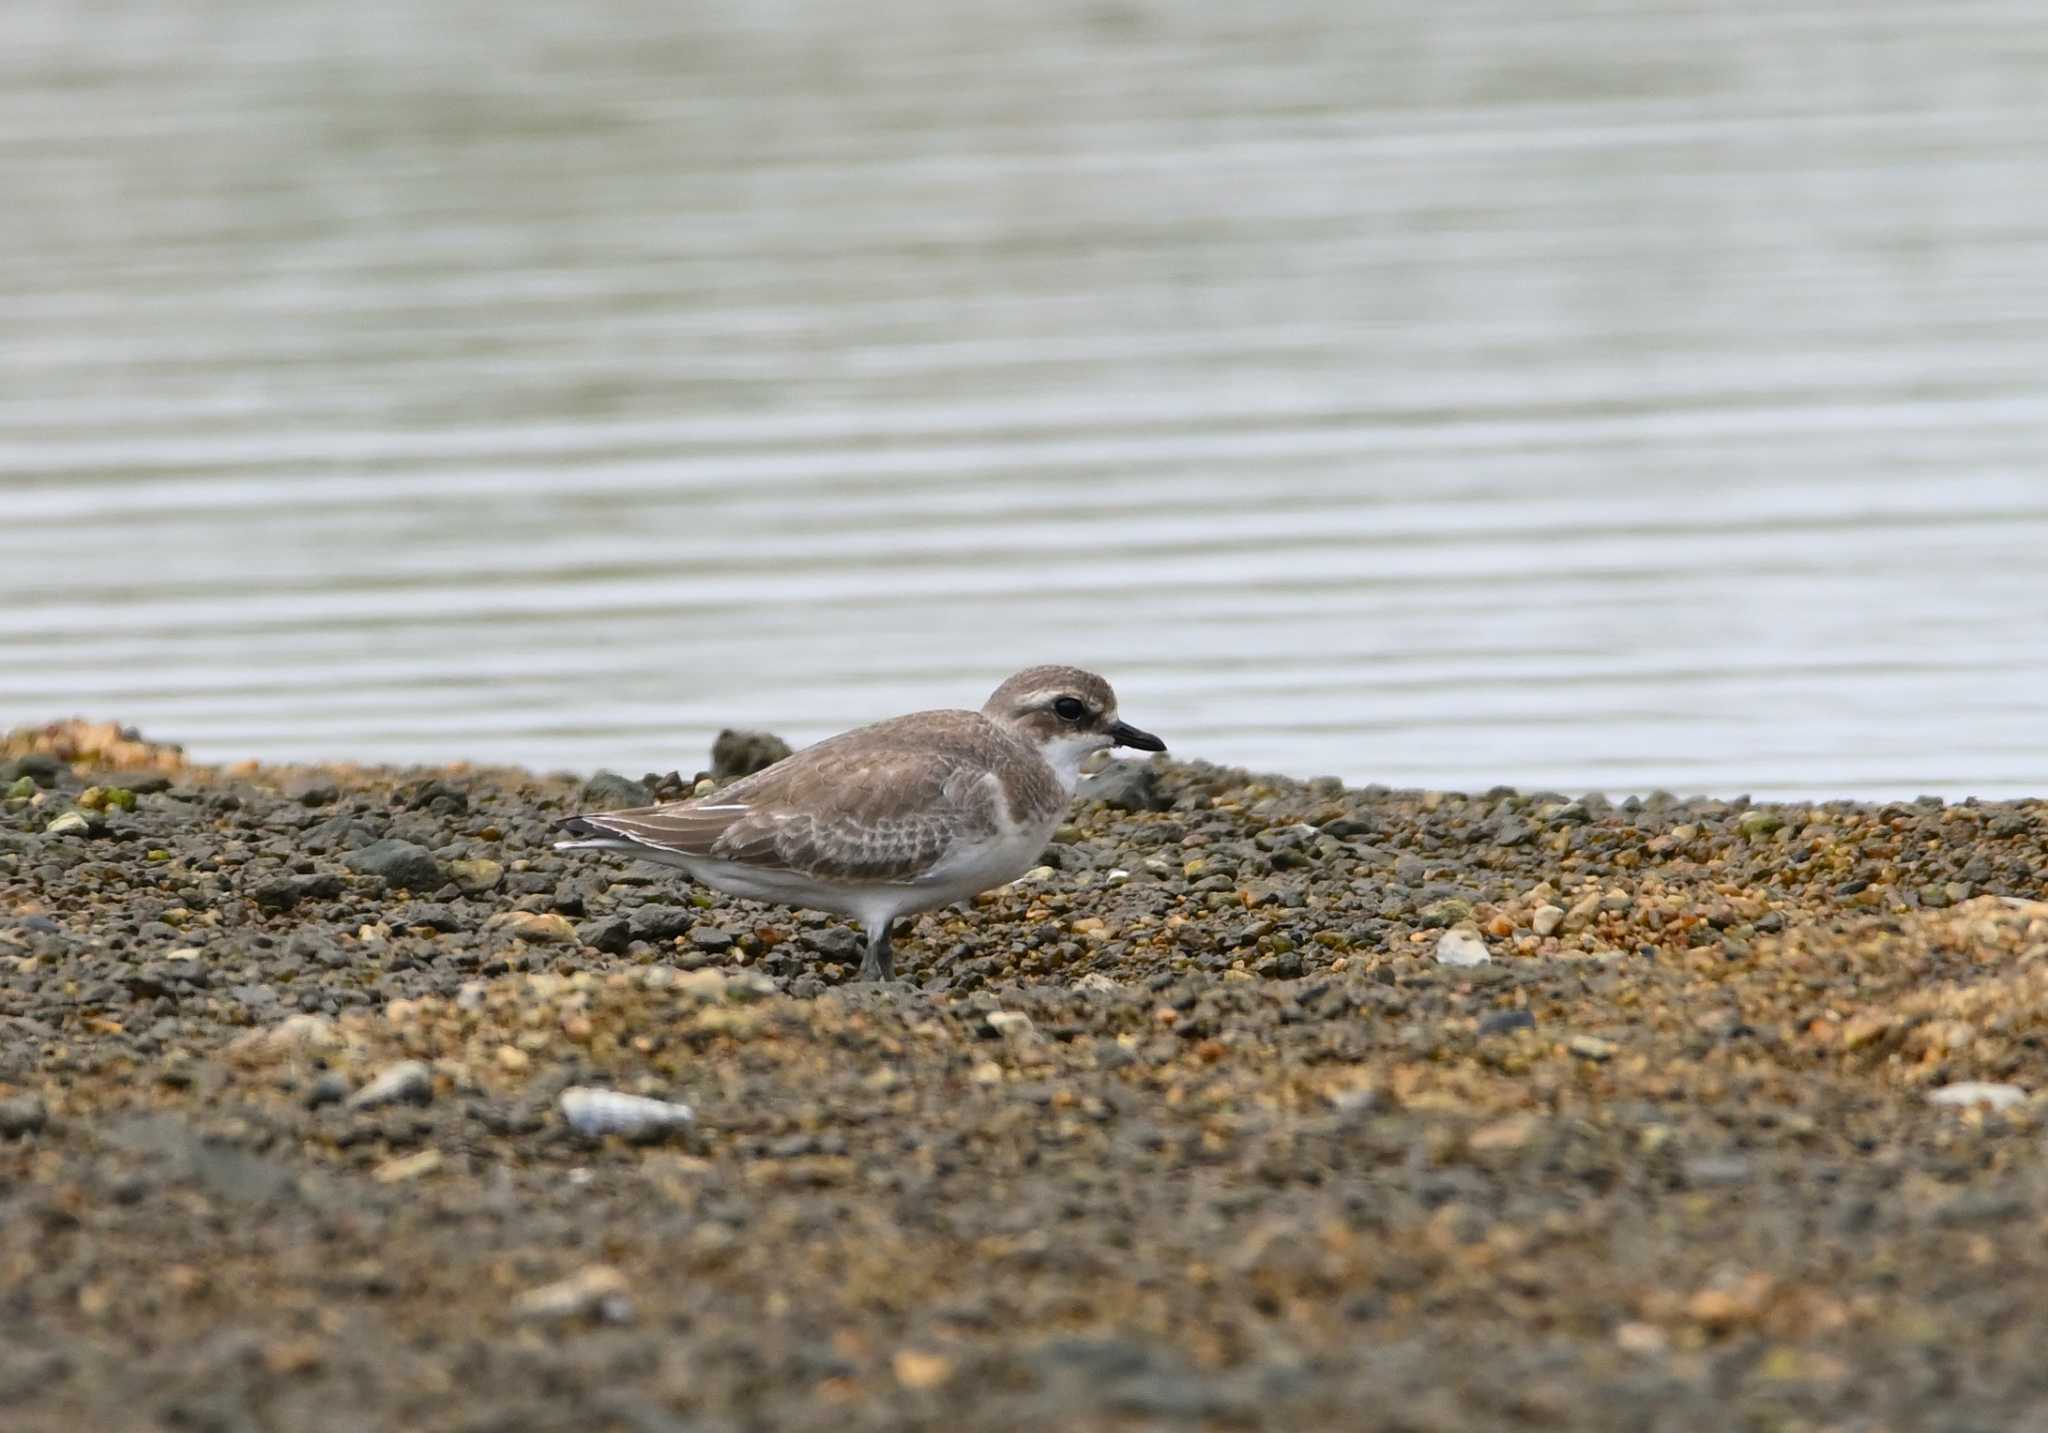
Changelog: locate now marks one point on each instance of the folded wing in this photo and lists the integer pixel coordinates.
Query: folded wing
(852, 812)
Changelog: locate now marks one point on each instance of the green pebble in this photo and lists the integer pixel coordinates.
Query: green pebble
(22, 789)
(121, 796)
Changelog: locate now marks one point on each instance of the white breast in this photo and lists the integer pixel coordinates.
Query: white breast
(1064, 754)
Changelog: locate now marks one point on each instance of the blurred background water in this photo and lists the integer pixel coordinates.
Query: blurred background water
(1580, 394)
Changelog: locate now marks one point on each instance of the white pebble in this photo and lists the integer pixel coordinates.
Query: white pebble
(598, 1291)
(593, 1111)
(408, 1081)
(1978, 1092)
(1461, 946)
(1012, 1024)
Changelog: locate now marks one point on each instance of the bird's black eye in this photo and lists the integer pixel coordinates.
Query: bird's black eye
(1069, 709)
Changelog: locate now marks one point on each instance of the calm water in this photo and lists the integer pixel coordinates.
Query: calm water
(1587, 395)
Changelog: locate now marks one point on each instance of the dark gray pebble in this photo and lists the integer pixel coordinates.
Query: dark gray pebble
(398, 863)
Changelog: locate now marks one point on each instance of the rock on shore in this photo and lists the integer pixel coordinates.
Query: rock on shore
(1739, 1122)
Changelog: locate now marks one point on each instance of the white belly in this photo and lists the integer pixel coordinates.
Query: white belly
(961, 873)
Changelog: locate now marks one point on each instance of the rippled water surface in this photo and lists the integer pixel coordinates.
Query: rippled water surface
(1569, 394)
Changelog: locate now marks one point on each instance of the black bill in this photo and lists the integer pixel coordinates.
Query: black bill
(1124, 734)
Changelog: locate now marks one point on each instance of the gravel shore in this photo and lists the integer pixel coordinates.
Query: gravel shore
(1260, 1103)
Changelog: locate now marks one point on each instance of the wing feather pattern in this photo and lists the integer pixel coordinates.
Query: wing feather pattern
(886, 804)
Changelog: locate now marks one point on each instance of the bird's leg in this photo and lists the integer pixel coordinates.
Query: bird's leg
(880, 962)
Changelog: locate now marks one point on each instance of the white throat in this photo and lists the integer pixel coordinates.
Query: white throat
(1064, 754)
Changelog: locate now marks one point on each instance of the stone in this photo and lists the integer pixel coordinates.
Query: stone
(535, 927)
(1546, 920)
(742, 753)
(611, 934)
(595, 1112)
(397, 863)
(1096, 983)
(1511, 1133)
(1865, 1029)
(21, 1115)
(407, 1082)
(407, 1166)
(609, 791)
(288, 891)
(711, 939)
(1966, 1093)
(1582, 912)
(330, 1089)
(476, 877)
(1592, 1047)
(70, 823)
(295, 1035)
(1461, 946)
(661, 924)
(1126, 786)
(1012, 1025)
(1450, 911)
(917, 1370)
(1505, 1022)
(40, 767)
(707, 984)
(596, 1292)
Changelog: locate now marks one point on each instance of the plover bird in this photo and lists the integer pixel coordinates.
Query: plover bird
(906, 815)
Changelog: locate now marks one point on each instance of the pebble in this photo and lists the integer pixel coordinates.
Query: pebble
(1091, 1148)
(598, 1292)
(299, 1034)
(1546, 920)
(1592, 1047)
(67, 824)
(1012, 1025)
(1582, 912)
(478, 876)
(22, 1114)
(535, 927)
(1125, 786)
(407, 1082)
(1965, 1093)
(1461, 946)
(595, 1111)
(330, 1089)
(407, 1166)
(397, 863)
(918, 1370)
(609, 791)
(1505, 1022)
(742, 753)
(660, 924)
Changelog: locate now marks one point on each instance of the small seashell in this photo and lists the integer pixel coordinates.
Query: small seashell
(593, 1111)
(1965, 1093)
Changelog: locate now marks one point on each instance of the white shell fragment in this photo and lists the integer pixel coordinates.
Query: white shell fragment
(599, 1292)
(594, 1111)
(1978, 1092)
